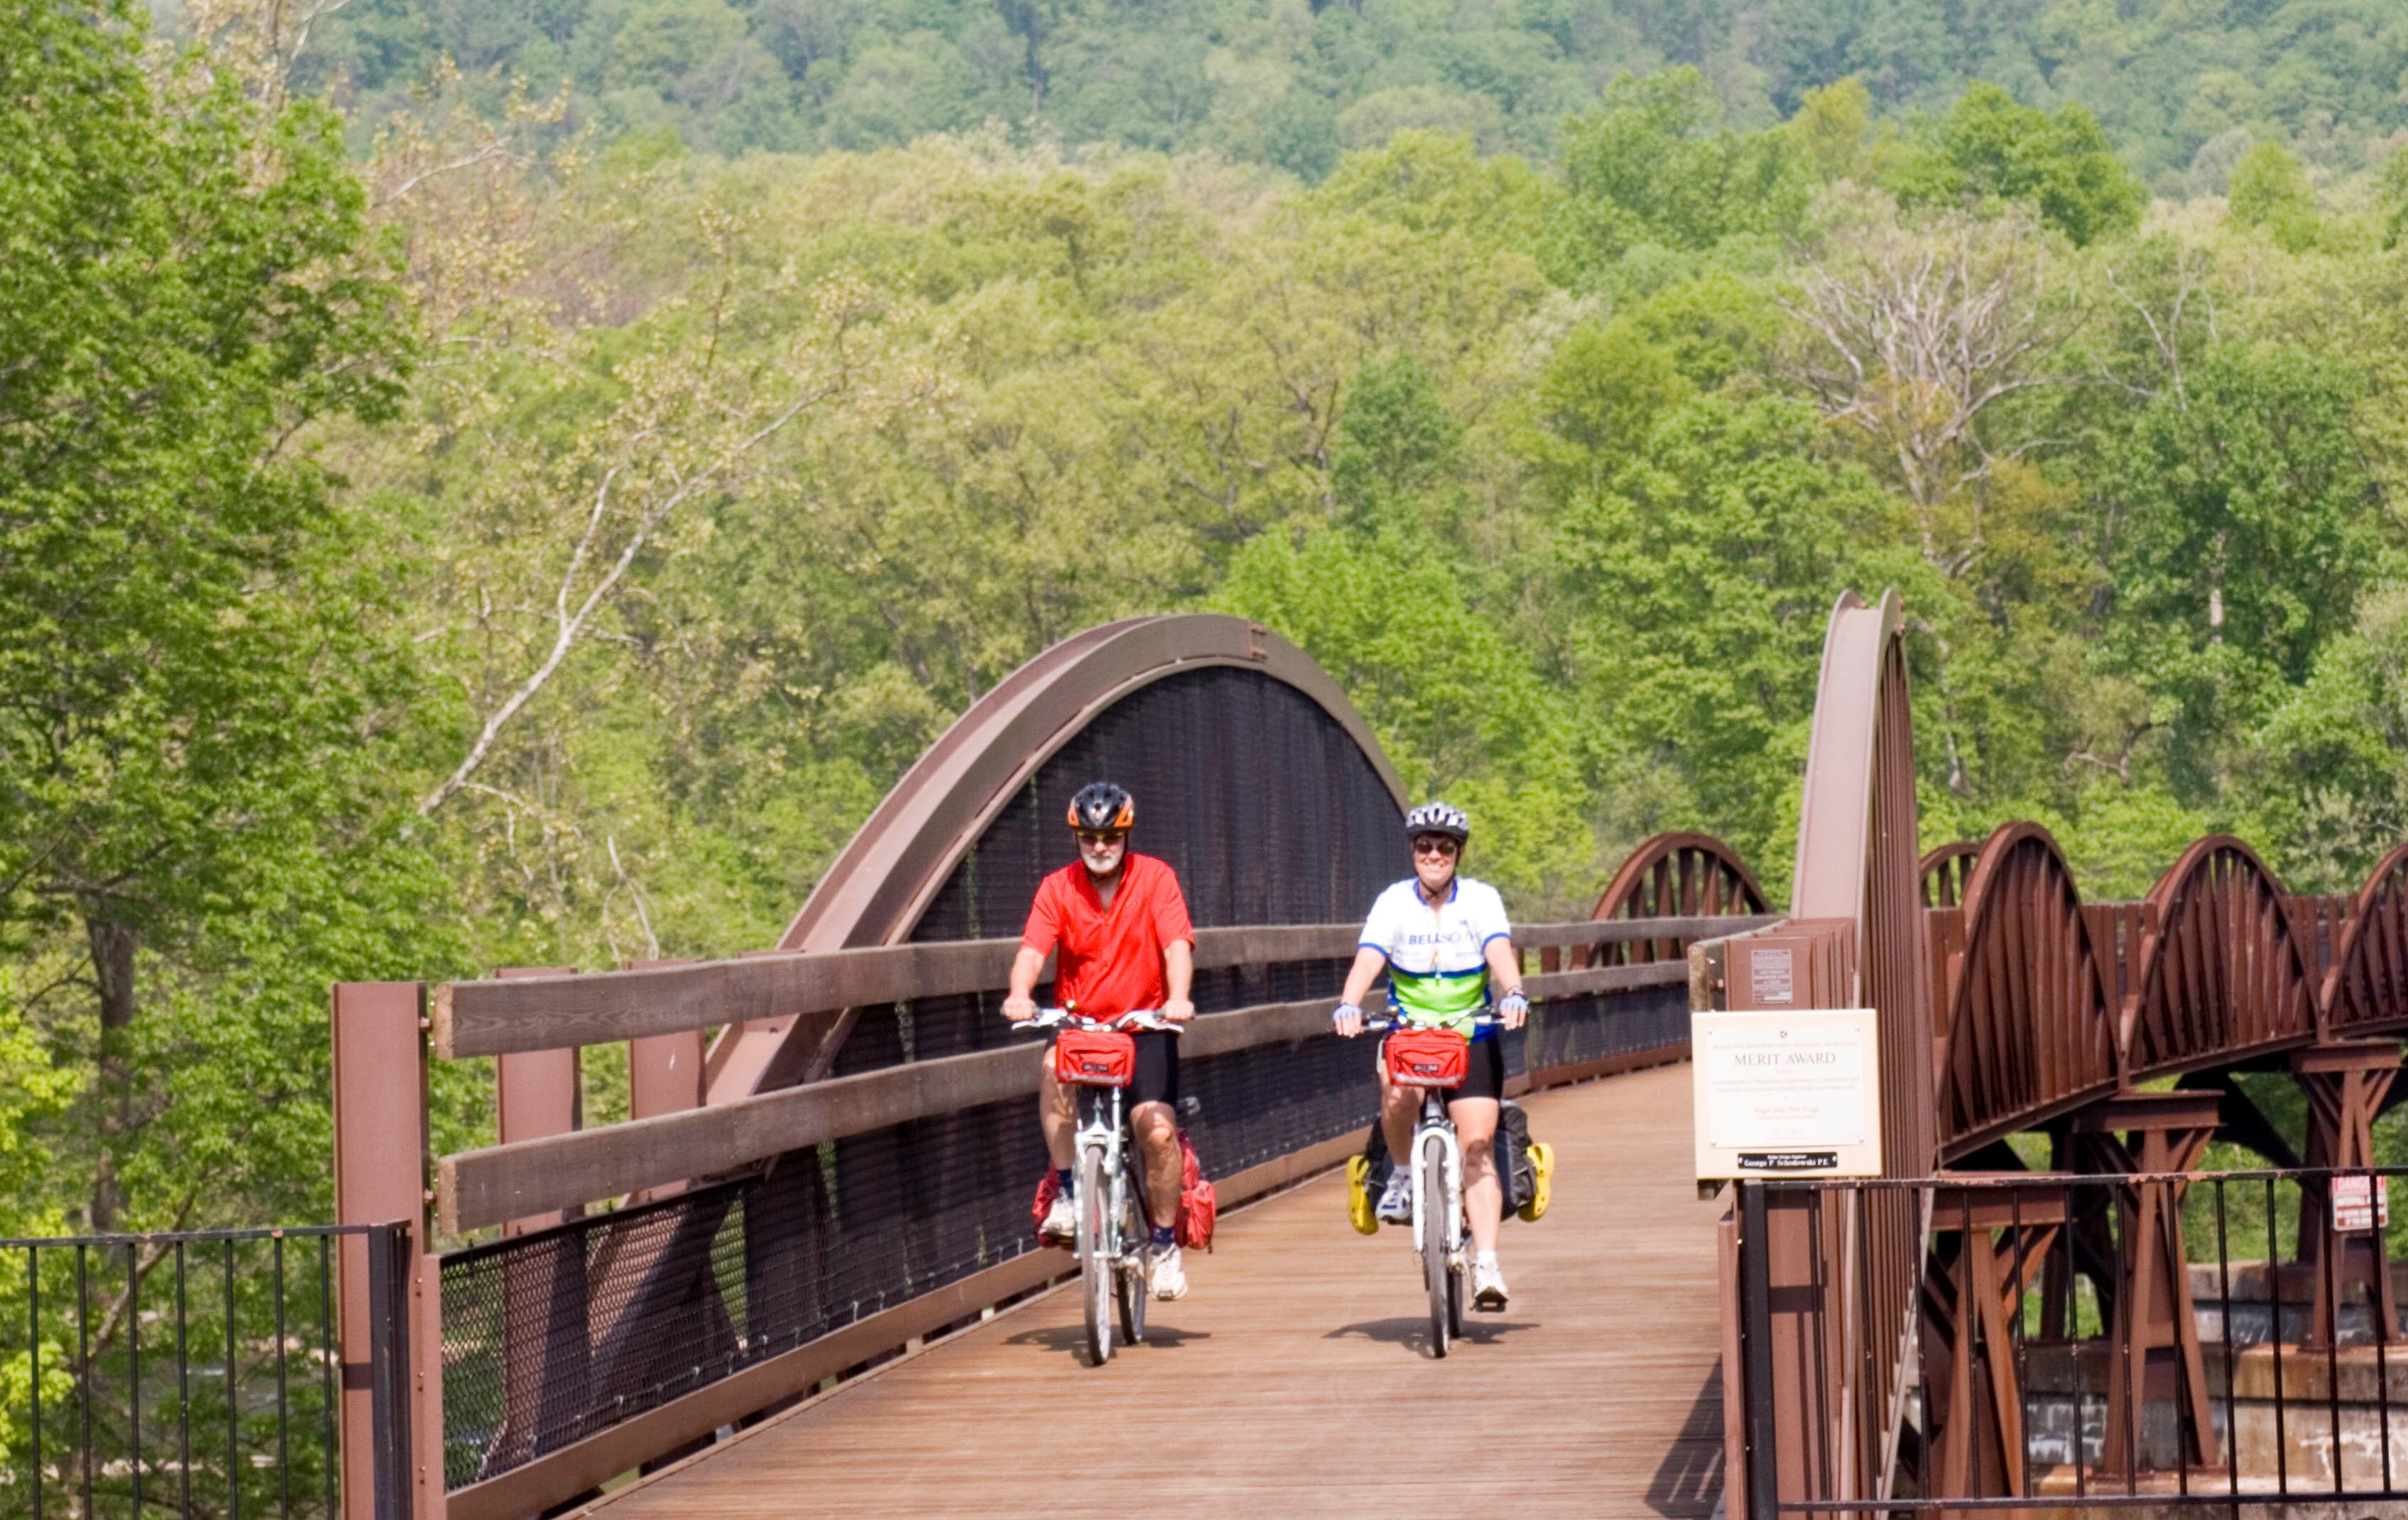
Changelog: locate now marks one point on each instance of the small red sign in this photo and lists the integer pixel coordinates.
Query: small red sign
(2360, 1206)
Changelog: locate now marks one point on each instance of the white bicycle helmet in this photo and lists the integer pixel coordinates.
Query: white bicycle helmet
(1438, 818)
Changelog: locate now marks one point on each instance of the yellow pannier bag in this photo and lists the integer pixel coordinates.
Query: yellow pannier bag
(1359, 1197)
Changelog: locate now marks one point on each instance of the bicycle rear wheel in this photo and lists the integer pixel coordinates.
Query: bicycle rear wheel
(1437, 1272)
(1130, 1273)
(1098, 1261)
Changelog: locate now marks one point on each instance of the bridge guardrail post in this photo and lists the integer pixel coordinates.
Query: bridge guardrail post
(381, 1165)
(390, 1261)
(1763, 1474)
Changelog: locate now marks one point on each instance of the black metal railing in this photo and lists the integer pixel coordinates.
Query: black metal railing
(197, 1373)
(2169, 1343)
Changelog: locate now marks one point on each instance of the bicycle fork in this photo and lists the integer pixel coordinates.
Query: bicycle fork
(1434, 1121)
(1101, 1126)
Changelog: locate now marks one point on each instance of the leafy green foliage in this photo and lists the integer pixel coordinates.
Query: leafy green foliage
(185, 673)
(2270, 190)
(1990, 148)
(1297, 88)
(1551, 421)
(1655, 165)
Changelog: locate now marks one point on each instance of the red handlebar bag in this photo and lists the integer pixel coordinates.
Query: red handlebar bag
(1427, 1058)
(1094, 1058)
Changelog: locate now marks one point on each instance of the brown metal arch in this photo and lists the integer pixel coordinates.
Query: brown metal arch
(1857, 856)
(883, 879)
(1945, 872)
(1681, 874)
(1678, 874)
(2030, 1017)
(2221, 975)
(2366, 990)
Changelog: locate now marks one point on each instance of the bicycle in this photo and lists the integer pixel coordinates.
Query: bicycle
(1437, 1161)
(1113, 1229)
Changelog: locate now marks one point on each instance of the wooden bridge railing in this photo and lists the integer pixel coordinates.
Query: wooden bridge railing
(661, 1278)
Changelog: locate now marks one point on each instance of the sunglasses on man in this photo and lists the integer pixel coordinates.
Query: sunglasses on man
(1435, 844)
(1097, 840)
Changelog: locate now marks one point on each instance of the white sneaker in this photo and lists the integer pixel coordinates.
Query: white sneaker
(1396, 1199)
(1166, 1277)
(1487, 1288)
(1061, 1221)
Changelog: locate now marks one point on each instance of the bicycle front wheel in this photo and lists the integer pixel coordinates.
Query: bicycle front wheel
(1438, 1272)
(1098, 1261)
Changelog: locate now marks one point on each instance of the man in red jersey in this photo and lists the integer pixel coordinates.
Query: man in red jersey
(1117, 928)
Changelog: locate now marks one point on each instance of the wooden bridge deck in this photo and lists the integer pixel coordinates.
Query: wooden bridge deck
(1295, 1373)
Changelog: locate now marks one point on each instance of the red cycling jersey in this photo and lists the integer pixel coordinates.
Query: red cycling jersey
(1109, 963)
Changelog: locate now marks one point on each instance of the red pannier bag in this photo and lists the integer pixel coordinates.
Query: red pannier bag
(1427, 1058)
(1094, 1058)
(1198, 1210)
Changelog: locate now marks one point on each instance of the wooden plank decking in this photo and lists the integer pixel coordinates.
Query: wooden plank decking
(1294, 1374)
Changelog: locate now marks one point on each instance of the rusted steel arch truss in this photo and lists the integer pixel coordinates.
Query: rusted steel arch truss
(2221, 977)
(1681, 875)
(2027, 1013)
(1947, 871)
(2366, 992)
(885, 878)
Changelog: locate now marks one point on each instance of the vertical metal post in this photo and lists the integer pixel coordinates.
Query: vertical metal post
(389, 1456)
(1755, 1343)
(33, 1356)
(381, 1174)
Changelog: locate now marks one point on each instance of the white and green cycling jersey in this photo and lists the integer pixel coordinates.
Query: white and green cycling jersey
(1437, 958)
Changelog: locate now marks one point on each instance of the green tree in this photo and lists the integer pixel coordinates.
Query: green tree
(185, 684)
(2268, 191)
(1395, 442)
(1695, 592)
(1991, 147)
(2237, 522)
(1654, 164)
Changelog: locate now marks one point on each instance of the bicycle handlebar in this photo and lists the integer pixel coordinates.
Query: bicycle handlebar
(1054, 1018)
(1479, 1021)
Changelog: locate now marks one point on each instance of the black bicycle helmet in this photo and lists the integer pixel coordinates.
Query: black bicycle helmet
(1438, 818)
(1102, 807)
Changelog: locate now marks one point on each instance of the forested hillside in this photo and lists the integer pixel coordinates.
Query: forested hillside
(2181, 87)
(446, 535)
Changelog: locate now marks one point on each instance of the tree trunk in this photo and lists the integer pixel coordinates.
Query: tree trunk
(113, 964)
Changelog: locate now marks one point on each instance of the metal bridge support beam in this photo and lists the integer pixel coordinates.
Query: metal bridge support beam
(381, 1176)
(2153, 1324)
(2346, 1083)
(1987, 1248)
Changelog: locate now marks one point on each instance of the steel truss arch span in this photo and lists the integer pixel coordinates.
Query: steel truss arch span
(2029, 1013)
(881, 886)
(2221, 976)
(1680, 874)
(2366, 989)
(1945, 871)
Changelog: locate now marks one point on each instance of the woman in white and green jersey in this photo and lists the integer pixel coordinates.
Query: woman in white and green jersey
(1442, 938)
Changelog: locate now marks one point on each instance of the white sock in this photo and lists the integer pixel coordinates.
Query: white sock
(1484, 1258)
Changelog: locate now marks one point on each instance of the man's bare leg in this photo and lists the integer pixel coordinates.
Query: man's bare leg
(1165, 1166)
(1057, 1114)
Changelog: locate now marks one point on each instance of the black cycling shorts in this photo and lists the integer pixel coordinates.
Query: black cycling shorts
(1156, 1078)
(1483, 1070)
